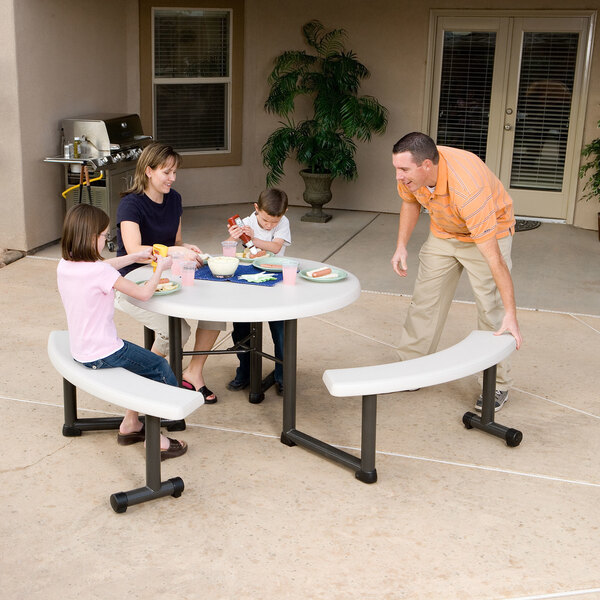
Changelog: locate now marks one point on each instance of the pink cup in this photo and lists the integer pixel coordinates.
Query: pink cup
(176, 267)
(289, 268)
(229, 247)
(187, 272)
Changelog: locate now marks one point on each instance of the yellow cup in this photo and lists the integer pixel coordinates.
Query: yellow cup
(160, 250)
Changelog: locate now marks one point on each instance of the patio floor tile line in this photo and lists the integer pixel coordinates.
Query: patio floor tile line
(555, 402)
(568, 594)
(575, 316)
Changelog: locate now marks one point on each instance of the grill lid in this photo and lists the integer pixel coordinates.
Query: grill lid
(110, 139)
(106, 131)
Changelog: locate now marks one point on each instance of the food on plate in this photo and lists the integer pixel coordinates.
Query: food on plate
(323, 274)
(319, 272)
(268, 266)
(166, 286)
(247, 254)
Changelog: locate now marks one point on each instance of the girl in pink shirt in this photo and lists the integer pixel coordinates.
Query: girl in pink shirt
(86, 284)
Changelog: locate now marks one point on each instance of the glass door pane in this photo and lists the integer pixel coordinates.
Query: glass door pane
(466, 89)
(545, 93)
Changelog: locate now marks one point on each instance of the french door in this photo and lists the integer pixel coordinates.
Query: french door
(512, 90)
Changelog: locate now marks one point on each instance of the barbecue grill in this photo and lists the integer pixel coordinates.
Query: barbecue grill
(111, 145)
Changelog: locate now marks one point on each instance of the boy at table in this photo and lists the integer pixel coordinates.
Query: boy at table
(269, 229)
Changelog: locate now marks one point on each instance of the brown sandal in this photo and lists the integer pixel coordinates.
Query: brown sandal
(126, 439)
(175, 449)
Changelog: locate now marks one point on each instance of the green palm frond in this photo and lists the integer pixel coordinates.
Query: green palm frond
(326, 43)
(591, 169)
(345, 72)
(331, 78)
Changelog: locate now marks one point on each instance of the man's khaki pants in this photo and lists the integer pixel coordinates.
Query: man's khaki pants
(441, 262)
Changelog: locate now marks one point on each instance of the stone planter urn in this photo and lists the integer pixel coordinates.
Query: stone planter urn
(317, 192)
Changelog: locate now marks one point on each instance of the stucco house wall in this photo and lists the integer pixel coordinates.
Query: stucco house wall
(62, 59)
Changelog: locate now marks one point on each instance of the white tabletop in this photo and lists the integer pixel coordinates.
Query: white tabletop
(228, 301)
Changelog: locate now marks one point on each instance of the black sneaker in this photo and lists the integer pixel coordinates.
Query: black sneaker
(501, 398)
(279, 388)
(235, 385)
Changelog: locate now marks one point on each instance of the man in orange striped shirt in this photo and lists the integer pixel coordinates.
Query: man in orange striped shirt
(472, 224)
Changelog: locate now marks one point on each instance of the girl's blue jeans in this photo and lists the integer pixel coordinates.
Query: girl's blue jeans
(137, 360)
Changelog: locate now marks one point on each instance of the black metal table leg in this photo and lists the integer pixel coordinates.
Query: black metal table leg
(175, 360)
(149, 337)
(290, 359)
(256, 394)
(175, 347)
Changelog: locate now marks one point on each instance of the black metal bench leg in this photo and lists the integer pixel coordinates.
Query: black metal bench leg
(367, 472)
(154, 488)
(485, 422)
(70, 407)
(73, 426)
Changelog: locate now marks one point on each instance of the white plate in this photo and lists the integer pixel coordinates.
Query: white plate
(339, 275)
(270, 260)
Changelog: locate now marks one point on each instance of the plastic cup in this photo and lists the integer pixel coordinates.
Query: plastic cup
(289, 268)
(229, 247)
(176, 267)
(159, 250)
(188, 269)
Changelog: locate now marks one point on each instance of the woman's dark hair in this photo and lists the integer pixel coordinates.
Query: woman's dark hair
(83, 224)
(420, 145)
(273, 201)
(154, 155)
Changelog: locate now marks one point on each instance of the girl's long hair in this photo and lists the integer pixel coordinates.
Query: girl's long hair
(155, 155)
(83, 224)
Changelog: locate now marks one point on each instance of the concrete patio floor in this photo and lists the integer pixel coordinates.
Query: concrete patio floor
(455, 514)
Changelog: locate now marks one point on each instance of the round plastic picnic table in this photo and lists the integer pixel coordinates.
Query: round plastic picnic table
(226, 300)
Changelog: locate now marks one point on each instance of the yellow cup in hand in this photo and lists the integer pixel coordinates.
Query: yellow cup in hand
(159, 250)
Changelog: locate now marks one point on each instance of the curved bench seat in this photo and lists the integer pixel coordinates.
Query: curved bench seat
(479, 351)
(128, 390)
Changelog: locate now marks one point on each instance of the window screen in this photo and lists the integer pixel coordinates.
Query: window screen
(543, 109)
(191, 78)
(465, 90)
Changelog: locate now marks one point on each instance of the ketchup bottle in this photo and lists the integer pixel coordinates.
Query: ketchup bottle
(244, 238)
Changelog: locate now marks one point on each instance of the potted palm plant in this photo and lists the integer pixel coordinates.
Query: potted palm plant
(592, 169)
(324, 144)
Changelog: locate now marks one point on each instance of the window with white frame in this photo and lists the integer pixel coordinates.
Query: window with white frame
(191, 78)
